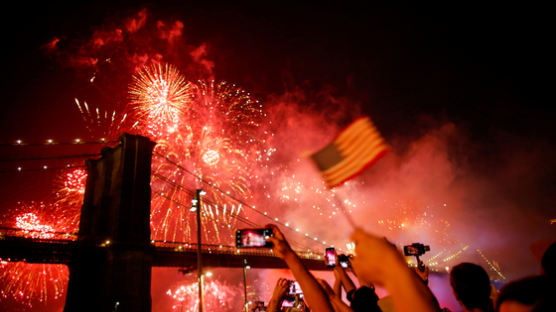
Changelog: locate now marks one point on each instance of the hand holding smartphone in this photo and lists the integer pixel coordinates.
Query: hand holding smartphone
(253, 238)
(295, 289)
(330, 257)
(344, 261)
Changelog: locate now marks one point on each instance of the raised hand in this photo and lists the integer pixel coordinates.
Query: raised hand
(280, 247)
(374, 256)
(280, 290)
(424, 275)
(379, 262)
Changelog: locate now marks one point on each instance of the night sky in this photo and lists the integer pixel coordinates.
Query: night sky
(485, 68)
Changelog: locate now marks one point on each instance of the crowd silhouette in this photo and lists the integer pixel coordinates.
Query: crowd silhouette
(378, 262)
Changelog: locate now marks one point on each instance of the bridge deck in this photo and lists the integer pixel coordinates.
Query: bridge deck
(164, 254)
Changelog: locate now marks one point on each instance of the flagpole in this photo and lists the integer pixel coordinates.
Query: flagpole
(344, 210)
(246, 303)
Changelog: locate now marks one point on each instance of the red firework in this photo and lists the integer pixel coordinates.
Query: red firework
(217, 297)
(31, 284)
(223, 139)
(159, 95)
(69, 197)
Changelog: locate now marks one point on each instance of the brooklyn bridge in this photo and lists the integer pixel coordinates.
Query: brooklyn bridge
(111, 257)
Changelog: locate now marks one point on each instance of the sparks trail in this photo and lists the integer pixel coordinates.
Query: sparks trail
(211, 215)
(218, 296)
(232, 213)
(102, 122)
(264, 214)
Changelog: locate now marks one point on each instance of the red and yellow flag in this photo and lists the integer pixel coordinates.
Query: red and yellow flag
(355, 149)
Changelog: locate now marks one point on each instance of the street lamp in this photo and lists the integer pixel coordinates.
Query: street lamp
(245, 267)
(197, 204)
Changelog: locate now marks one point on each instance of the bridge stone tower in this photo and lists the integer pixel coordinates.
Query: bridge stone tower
(111, 268)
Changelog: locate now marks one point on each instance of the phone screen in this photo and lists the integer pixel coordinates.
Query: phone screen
(410, 251)
(330, 257)
(295, 289)
(253, 238)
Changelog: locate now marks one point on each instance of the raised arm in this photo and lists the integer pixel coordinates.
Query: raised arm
(379, 262)
(337, 284)
(335, 300)
(314, 294)
(280, 289)
(344, 278)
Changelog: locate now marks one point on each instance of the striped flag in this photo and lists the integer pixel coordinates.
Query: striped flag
(355, 149)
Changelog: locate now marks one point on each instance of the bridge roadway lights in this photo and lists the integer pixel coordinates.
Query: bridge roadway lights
(51, 251)
(229, 258)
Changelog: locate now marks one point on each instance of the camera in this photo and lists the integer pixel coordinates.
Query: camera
(253, 238)
(416, 249)
(330, 257)
(344, 260)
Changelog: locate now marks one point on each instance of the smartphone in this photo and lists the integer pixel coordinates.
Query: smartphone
(253, 238)
(295, 289)
(259, 306)
(344, 261)
(330, 257)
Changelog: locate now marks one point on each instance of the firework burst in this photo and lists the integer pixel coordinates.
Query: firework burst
(158, 97)
(69, 197)
(26, 283)
(32, 284)
(39, 220)
(216, 132)
(223, 142)
(217, 297)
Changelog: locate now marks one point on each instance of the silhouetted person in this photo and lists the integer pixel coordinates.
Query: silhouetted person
(471, 286)
(380, 263)
(363, 298)
(530, 294)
